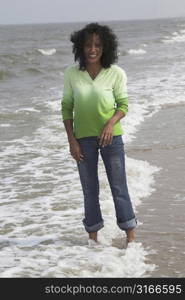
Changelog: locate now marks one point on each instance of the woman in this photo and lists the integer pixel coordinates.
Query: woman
(94, 100)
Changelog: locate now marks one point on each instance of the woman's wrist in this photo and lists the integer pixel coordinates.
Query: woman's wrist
(111, 122)
(116, 117)
(71, 138)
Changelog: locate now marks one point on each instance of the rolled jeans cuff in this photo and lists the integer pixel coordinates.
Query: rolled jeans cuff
(130, 224)
(93, 228)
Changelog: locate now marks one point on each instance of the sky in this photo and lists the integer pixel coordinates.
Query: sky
(57, 11)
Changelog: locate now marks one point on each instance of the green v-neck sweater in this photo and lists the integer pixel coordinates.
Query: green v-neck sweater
(90, 103)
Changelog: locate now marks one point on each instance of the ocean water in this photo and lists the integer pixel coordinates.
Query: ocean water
(41, 201)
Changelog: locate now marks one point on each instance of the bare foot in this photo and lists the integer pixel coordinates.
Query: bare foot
(93, 244)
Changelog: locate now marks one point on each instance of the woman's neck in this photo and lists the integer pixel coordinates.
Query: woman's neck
(93, 68)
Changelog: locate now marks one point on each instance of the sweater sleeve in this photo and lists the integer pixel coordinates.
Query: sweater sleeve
(120, 91)
(67, 102)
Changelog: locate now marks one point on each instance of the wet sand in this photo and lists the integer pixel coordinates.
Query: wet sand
(160, 140)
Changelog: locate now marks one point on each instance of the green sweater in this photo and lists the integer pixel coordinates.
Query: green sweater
(91, 103)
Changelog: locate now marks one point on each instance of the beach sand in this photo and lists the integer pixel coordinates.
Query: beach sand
(160, 140)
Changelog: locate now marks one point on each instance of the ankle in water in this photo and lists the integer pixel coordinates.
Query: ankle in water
(92, 243)
(93, 236)
(130, 235)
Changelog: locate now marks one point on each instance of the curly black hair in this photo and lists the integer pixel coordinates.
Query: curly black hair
(107, 37)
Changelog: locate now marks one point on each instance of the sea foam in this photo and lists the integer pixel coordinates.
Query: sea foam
(47, 51)
(175, 37)
(137, 51)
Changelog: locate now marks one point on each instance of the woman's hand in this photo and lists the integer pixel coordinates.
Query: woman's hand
(107, 135)
(75, 150)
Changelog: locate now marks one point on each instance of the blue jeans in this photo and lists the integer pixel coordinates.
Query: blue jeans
(114, 160)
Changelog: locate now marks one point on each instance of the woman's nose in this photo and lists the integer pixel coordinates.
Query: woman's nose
(92, 48)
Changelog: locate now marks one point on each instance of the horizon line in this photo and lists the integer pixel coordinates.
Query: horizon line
(91, 21)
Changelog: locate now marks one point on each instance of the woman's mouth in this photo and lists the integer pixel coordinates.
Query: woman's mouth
(92, 55)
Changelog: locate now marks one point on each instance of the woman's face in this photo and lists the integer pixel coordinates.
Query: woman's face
(93, 49)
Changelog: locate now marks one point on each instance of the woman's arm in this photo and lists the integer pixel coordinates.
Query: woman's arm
(67, 105)
(106, 135)
(119, 114)
(121, 99)
(73, 143)
(68, 124)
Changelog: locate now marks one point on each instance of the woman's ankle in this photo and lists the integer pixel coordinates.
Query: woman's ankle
(130, 235)
(93, 236)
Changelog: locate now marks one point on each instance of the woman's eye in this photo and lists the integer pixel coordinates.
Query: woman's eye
(89, 45)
